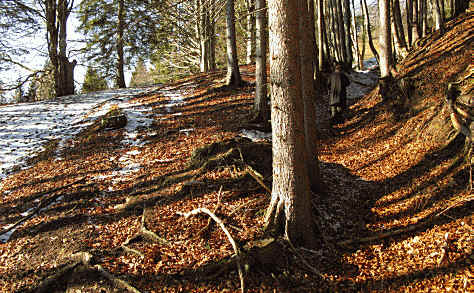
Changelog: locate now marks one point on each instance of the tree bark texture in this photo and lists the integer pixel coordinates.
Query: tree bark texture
(385, 40)
(309, 95)
(261, 109)
(250, 31)
(399, 33)
(290, 208)
(120, 54)
(233, 73)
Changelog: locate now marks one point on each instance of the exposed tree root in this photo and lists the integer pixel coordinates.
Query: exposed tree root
(83, 262)
(145, 233)
(226, 232)
(44, 203)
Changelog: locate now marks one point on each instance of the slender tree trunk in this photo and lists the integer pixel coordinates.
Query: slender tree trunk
(415, 26)
(369, 33)
(120, 54)
(409, 18)
(460, 6)
(355, 38)
(321, 30)
(341, 32)
(289, 210)
(347, 32)
(260, 108)
(250, 31)
(385, 38)
(204, 38)
(233, 72)
(439, 21)
(52, 37)
(309, 96)
(399, 35)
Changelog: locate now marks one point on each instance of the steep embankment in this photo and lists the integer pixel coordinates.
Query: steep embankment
(109, 217)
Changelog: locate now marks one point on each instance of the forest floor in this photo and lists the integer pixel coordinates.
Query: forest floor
(106, 211)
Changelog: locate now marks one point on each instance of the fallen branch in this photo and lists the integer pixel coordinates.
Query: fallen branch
(206, 229)
(226, 232)
(42, 205)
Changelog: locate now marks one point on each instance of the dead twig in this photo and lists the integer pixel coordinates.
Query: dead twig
(258, 177)
(226, 232)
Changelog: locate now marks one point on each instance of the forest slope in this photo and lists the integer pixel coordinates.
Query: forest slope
(396, 216)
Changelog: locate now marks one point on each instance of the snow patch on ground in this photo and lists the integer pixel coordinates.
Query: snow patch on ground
(256, 135)
(26, 127)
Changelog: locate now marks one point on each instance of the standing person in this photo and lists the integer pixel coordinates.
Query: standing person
(337, 95)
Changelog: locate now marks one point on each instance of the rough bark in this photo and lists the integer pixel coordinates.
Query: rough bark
(289, 208)
(120, 82)
(261, 109)
(52, 37)
(250, 31)
(385, 40)
(233, 73)
(347, 32)
(309, 95)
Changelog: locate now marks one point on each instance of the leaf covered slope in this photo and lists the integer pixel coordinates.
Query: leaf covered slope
(396, 215)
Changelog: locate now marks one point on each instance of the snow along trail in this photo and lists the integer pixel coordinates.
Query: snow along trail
(25, 128)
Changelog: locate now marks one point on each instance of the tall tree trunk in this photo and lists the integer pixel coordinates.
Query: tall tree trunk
(250, 31)
(321, 31)
(399, 35)
(385, 40)
(422, 18)
(65, 68)
(307, 85)
(341, 32)
(409, 18)
(260, 108)
(347, 32)
(369, 33)
(415, 26)
(233, 73)
(120, 31)
(439, 21)
(52, 37)
(290, 208)
(204, 38)
(355, 39)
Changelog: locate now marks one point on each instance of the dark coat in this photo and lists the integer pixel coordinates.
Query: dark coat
(338, 82)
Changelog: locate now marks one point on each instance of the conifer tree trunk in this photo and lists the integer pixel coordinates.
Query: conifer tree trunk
(385, 40)
(346, 9)
(322, 41)
(309, 96)
(260, 109)
(233, 73)
(250, 31)
(120, 54)
(290, 209)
